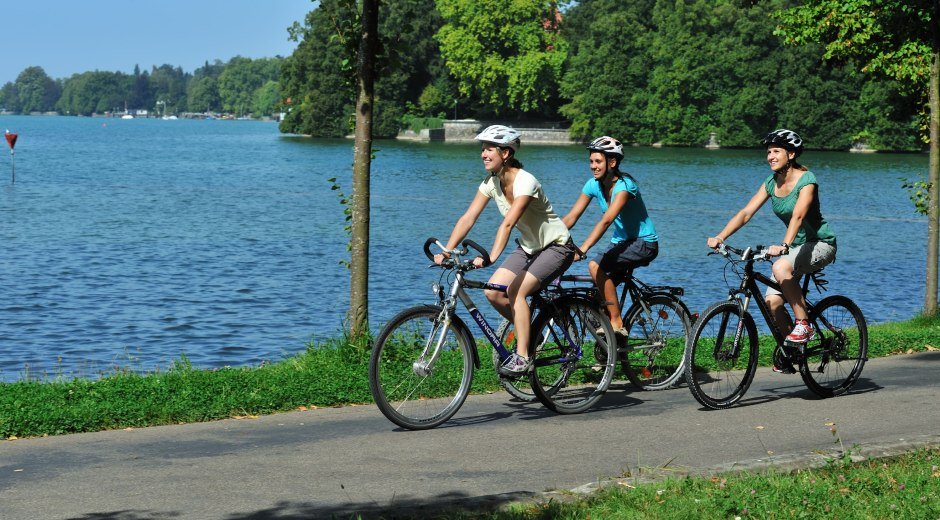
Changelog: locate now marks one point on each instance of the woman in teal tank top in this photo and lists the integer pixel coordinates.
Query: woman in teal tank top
(808, 244)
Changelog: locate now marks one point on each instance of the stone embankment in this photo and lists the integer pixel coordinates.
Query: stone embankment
(464, 131)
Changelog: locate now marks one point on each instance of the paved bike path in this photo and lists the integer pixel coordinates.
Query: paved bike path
(336, 461)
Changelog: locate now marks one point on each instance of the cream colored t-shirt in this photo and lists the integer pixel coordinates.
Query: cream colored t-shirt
(539, 225)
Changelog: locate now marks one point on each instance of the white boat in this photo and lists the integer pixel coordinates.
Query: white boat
(127, 116)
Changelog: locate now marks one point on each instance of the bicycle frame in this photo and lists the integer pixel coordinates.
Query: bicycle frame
(636, 289)
(749, 287)
(458, 293)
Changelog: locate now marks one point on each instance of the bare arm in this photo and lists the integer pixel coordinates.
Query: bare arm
(740, 218)
(617, 203)
(464, 223)
(576, 211)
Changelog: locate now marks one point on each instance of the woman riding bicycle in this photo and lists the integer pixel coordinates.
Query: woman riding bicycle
(635, 242)
(545, 248)
(808, 244)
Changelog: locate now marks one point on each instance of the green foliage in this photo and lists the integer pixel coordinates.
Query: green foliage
(33, 91)
(246, 84)
(891, 37)
(241, 84)
(318, 79)
(266, 99)
(347, 214)
(417, 123)
(167, 84)
(674, 71)
(93, 92)
(919, 192)
(508, 55)
(202, 95)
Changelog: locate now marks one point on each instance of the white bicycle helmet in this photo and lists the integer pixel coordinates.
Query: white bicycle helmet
(501, 136)
(607, 145)
(786, 138)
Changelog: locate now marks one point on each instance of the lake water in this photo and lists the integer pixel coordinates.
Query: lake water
(126, 243)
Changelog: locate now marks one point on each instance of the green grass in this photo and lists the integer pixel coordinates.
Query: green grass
(903, 487)
(332, 373)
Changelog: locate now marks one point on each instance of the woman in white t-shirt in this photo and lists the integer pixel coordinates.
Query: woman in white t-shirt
(545, 249)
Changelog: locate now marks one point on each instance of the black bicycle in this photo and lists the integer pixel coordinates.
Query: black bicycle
(658, 322)
(721, 358)
(422, 363)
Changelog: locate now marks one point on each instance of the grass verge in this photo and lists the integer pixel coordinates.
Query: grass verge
(332, 373)
(907, 486)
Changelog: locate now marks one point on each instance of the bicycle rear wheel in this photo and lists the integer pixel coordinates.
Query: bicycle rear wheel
(575, 365)
(411, 389)
(721, 359)
(654, 356)
(833, 360)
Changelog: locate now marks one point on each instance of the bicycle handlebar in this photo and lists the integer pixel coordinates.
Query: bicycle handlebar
(757, 252)
(467, 245)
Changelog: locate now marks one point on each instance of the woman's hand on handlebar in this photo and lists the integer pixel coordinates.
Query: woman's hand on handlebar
(478, 262)
(714, 242)
(776, 250)
(439, 258)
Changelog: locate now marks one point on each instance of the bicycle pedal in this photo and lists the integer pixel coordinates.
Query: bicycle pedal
(792, 349)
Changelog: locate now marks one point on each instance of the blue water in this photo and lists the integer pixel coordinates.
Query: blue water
(129, 243)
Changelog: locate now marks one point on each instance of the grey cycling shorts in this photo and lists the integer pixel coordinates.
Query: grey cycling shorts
(807, 258)
(546, 265)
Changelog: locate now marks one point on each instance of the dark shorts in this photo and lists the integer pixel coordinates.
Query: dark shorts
(546, 265)
(627, 255)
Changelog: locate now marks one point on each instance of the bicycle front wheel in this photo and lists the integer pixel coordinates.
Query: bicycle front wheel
(654, 355)
(415, 384)
(833, 360)
(721, 359)
(574, 365)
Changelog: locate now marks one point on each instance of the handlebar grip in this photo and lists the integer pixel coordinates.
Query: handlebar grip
(479, 249)
(427, 248)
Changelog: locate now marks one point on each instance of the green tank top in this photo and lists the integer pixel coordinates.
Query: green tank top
(814, 228)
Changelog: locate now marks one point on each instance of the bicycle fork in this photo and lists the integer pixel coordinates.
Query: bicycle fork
(738, 331)
(423, 366)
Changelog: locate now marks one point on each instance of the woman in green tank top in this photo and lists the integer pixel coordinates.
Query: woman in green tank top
(808, 244)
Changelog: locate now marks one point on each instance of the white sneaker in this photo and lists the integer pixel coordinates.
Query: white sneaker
(516, 366)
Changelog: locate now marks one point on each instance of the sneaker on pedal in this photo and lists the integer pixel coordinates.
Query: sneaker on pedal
(516, 366)
(781, 363)
(802, 332)
(600, 352)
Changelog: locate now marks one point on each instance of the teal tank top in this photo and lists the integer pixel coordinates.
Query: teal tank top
(814, 228)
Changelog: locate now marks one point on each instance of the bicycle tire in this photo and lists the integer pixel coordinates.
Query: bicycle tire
(517, 387)
(406, 396)
(563, 382)
(716, 376)
(832, 362)
(654, 355)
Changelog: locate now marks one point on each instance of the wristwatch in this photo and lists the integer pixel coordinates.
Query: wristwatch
(786, 248)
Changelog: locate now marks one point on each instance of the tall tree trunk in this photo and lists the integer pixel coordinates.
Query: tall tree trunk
(933, 178)
(358, 316)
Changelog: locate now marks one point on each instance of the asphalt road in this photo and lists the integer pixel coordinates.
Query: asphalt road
(338, 461)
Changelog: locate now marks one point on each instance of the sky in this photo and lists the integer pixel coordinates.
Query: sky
(66, 37)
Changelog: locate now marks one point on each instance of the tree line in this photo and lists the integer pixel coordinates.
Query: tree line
(241, 86)
(647, 71)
